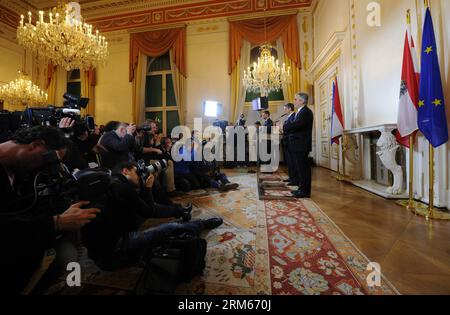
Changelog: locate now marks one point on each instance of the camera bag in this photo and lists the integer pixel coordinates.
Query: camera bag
(176, 260)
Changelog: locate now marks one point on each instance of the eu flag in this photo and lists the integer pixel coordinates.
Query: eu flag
(431, 117)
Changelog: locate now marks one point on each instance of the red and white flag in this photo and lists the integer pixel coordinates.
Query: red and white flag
(337, 119)
(409, 92)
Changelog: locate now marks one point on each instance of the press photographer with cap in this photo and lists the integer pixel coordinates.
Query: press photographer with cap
(28, 223)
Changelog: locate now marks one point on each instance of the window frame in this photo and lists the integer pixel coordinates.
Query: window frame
(74, 81)
(164, 108)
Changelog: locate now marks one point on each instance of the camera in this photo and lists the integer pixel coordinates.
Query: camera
(143, 128)
(85, 185)
(73, 102)
(146, 170)
(51, 115)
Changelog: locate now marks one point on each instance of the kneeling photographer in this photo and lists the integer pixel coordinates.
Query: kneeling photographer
(30, 222)
(114, 239)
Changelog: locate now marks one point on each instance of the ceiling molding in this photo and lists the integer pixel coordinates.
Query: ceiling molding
(195, 11)
(114, 15)
(9, 17)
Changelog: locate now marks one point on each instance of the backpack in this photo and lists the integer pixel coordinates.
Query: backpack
(176, 260)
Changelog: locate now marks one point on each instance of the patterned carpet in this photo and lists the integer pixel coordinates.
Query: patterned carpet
(277, 247)
(264, 247)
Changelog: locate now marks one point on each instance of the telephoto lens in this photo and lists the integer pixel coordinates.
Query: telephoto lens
(146, 170)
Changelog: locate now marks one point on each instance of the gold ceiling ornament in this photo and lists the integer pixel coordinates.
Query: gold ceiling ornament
(22, 91)
(266, 76)
(63, 39)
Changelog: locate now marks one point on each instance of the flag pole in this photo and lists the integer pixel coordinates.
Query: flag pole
(430, 213)
(431, 182)
(343, 157)
(411, 205)
(338, 175)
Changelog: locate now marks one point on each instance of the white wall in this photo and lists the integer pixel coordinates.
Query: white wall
(113, 93)
(331, 16)
(207, 67)
(380, 53)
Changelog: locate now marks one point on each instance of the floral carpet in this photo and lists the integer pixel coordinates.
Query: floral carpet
(276, 247)
(266, 247)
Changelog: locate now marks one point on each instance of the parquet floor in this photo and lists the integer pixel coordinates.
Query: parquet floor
(414, 254)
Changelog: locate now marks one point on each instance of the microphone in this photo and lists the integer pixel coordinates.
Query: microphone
(279, 119)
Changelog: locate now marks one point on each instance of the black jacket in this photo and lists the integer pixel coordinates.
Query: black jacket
(285, 132)
(269, 124)
(122, 212)
(23, 237)
(300, 131)
(117, 150)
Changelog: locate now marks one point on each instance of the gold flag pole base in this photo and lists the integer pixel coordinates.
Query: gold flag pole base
(423, 210)
(340, 177)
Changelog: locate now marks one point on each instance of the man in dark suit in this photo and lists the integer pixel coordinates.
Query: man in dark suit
(269, 124)
(300, 144)
(267, 121)
(289, 111)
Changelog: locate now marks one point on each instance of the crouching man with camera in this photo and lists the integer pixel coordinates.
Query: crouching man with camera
(114, 239)
(28, 222)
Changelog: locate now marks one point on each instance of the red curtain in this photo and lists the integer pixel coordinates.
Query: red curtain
(92, 76)
(253, 31)
(50, 70)
(157, 43)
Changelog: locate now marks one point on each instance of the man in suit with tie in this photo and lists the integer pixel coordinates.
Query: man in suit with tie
(300, 144)
(289, 112)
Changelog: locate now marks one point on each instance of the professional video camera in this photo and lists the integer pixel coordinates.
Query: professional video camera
(54, 182)
(73, 102)
(145, 170)
(51, 116)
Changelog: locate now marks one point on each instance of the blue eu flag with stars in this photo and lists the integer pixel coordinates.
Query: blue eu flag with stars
(432, 119)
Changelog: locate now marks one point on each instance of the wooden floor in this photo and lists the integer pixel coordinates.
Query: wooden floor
(414, 254)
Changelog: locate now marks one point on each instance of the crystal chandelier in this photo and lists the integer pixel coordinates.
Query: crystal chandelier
(63, 39)
(23, 92)
(266, 75)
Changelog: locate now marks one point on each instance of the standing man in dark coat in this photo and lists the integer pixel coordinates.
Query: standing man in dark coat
(289, 110)
(300, 144)
(268, 123)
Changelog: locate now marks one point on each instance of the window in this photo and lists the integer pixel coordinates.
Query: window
(74, 83)
(274, 96)
(160, 101)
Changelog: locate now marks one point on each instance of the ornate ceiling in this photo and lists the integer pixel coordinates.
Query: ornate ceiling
(112, 15)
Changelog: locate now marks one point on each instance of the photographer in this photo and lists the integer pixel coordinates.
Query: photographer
(114, 239)
(117, 144)
(128, 181)
(86, 141)
(152, 152)
(29, 223)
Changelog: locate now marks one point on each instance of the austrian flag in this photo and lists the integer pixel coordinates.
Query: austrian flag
(337, 119)
(409, 91)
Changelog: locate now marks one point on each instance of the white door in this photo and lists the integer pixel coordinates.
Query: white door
(328, 154)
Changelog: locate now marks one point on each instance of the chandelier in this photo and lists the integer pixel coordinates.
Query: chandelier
(23, 92)
(63, 39)
(266, 76)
